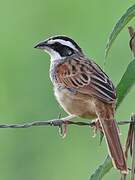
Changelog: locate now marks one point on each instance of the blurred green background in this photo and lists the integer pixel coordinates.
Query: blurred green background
(26, 92)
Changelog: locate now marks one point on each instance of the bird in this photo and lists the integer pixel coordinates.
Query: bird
(83, 89)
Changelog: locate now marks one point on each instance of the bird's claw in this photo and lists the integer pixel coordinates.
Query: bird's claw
(96, 127)
(63, 129)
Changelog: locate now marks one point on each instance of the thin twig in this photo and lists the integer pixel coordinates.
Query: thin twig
(133, 150)
(128, 145)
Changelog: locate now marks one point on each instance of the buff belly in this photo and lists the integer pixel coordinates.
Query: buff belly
(75, 105)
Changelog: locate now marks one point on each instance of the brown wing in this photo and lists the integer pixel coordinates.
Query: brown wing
(86, 77)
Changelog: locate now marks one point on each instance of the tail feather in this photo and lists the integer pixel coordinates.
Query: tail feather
(114, 145)
(105, 113)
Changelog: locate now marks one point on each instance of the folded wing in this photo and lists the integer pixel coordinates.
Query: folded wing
(86, 77)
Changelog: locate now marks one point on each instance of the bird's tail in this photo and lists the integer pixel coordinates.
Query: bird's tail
(105, 114)
(114, 145)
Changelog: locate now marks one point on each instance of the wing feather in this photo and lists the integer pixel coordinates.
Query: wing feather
(86, 77)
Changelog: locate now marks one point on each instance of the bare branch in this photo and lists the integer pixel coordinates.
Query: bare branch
(133, 149)
(128, 145)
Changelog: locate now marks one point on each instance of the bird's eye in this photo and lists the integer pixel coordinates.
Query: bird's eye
(63, 50)
(69, 51)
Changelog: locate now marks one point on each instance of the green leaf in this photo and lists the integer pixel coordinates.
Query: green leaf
(127, 16)
(123, 88)
(126, 83)
(102, 169)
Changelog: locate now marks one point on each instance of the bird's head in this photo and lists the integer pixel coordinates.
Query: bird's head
(59, 47)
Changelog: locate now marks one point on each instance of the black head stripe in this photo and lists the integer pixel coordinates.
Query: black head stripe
(65, 38)
(62, 50)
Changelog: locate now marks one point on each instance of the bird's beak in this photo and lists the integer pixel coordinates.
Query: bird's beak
(41, 45)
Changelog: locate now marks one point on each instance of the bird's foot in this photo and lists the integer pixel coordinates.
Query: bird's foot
(96, 127)
(63, 127)
(62, 123)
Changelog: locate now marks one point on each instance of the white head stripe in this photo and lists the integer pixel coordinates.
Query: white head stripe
(66, 43)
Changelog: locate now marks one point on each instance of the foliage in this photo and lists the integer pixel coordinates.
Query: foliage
(127, 16)
(126, 83)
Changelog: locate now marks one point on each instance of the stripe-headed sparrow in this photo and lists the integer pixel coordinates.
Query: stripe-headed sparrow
(83, 89)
